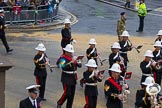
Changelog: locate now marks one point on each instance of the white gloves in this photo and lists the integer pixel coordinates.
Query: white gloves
(74, 58)
(125, 86)
(120, 96)
(127, 92)
(74, 41)
(153, 63)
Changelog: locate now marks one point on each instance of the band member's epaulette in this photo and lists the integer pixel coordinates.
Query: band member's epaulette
(36, 61)
(106, 87)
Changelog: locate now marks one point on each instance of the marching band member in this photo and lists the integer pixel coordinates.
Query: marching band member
(91, 52)
(125, 47)
(157, 53)
(66, 33)
(159, 38)
(66, 37)
(115, 57)
(146, 65)
(40, 71)
(113, 88)
(69, 76)
(91, 80)
(143, 99)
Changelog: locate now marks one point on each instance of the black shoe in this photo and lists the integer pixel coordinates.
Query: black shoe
(9, 50)
(43, 99)
(139, 31)
(81, 83)
(58, 106)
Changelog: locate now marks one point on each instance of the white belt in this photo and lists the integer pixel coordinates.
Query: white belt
(70, 72)
(91, 84)
(123, 52)
(147, 74)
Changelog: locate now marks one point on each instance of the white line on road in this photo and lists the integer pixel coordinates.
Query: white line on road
(154, 14)
(158, 9)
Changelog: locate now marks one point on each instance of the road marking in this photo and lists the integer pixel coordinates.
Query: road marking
(154, 14)
(158, 9)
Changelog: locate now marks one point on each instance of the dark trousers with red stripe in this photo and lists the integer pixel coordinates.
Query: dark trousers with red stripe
(69, 92)
(91, 101)
(157, 76)
(41, 80)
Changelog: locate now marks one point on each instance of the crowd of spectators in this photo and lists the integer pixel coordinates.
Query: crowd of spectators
(27, 4)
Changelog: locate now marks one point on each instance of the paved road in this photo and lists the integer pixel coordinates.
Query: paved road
(100, 18)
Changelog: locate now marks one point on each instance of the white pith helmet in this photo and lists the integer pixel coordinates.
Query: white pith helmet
(115, 68)
(91, 63)
(159, 33)
(158, 44)
(116, 45)
(148, 53)
(92, 41)
(69, 48)
(125, 33)
(153, 89)
(40, 47)
(67, 21)
(148, 80)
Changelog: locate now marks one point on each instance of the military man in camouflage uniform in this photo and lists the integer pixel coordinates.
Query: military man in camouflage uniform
(121, 24)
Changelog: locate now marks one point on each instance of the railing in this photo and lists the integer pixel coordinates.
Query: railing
(30, 14)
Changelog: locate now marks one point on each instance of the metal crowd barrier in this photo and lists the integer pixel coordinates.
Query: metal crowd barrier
(30, 14)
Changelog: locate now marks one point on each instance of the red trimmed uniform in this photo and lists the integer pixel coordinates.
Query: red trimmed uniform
(157, 72)
(68, 79)
(147, 70)
(115, 58)
(112, 88)
(125, 47)
(91, 91)
(92, 54)
(66, 37)
(40, 73)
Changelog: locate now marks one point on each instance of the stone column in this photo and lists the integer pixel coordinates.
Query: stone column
(4, 66)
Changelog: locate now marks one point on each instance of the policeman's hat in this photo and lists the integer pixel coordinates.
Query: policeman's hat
(33, 89)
